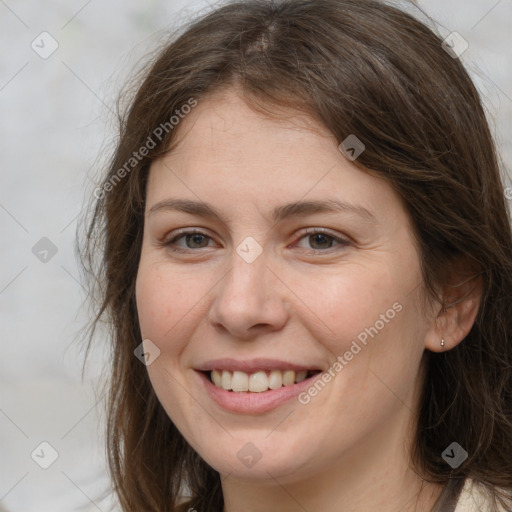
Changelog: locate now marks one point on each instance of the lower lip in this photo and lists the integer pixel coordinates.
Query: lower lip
(250, 402)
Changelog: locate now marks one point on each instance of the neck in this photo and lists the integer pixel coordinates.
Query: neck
(349, 488)
(411, 495)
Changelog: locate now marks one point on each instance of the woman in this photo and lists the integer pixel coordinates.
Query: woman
(306, 256)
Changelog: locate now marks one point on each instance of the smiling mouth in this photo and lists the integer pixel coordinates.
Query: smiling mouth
(257, 382)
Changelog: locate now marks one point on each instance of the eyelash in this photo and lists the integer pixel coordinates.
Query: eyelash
(311, 231)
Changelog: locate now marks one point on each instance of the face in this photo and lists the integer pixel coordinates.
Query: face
(311, 312)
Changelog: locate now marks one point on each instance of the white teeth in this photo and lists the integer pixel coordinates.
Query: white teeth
(240, 381)
(275, 379)
(300, 376)
(226, 380)
(217, 378)
(288, 378)
(256, 382)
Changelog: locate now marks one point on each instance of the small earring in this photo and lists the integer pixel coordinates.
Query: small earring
(442, 342)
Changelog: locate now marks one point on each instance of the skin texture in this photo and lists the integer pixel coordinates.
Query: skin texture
(303, 300)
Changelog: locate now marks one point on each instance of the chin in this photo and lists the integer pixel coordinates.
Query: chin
(259, 460)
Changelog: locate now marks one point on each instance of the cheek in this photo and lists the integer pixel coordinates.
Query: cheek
(164, 300)
(167, 303)
(342, 305)
(371, 319)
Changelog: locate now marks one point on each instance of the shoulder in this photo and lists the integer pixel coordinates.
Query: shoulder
(474, 498)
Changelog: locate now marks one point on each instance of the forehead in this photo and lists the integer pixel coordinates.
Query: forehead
(227, 152)
(227, 139)
(224, 120)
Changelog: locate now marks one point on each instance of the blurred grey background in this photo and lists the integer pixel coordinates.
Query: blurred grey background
(61, 66)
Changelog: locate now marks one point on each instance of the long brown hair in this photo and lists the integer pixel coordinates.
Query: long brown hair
(361, 67)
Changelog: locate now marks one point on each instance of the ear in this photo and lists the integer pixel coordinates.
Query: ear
(454, 318)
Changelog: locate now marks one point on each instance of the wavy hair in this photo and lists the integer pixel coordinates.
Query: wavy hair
(360, 67)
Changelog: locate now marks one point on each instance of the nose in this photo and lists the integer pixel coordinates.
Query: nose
(250, 299)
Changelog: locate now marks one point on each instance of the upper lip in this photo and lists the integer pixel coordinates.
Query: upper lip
(252, 365)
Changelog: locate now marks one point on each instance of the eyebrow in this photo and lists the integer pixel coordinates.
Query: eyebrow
(295, 209)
